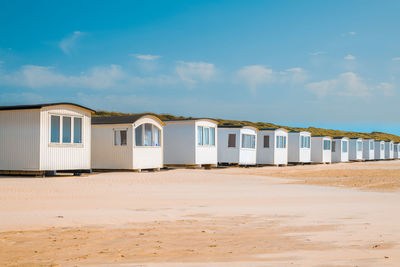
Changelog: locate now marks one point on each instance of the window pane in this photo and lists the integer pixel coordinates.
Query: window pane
(371, 145)
(344, 146)
(199, 135)
(212, 136)
(55, 129)
(284, 142)
(248, 141)
(333, 146)
(147, 134)
(77, 130)
(266, 141)
(301, 141)
(206, 136)
(139, 135)
(253, 141)
(117, 138)
(123, 138)
(232, 140)
(156, 136)
(359, 146)
(66, 130)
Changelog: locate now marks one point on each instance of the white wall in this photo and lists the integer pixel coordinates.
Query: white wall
(228, 154)
(354, 154)
(20, 140)
(368, 154)
(179, 142)
(106, 155)
(379, 152)
(339, 155)
(147, 157)
(271, 154)
(318, 154)
(206, 154)
(295, 152)
(396, 154)
(389, 150)
(65, 156)
(248, 156)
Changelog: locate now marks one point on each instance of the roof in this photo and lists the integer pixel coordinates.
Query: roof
(273, 129)
(128, 119)
(355, 138)
(340, 137)
(39, 106)
(237, 126)
(299, 132)
(323, 136)
(192, 119)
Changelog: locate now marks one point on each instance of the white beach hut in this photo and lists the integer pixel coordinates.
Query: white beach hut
(389, 150)
(356, 149)
(45, 138)
(272, 147)
(299, 147)
(321, 149)
(379, 150)
(190, 143)
(368, 149)
(127, 142)
(340, 149)
(396, 150)
(237, 145)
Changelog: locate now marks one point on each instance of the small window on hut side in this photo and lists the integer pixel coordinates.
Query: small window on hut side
(266, 141)
(232, 140)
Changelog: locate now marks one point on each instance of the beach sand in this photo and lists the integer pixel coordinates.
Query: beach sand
(319, 215)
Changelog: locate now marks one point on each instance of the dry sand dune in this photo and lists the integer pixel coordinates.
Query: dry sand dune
(220, 217)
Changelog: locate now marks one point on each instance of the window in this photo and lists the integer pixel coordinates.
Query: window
(248, 141)
(232, 140)
(77, 130)
(266, 141)
(359, 146)
(212, 136)
(305, 141)
(65, 129)
(391, 147)
(395, 148)
(120, 137)
(327, 145)
(382, 147)
(55, 129)
(199, 135)
(147, 134)
(371, 145)
(333, 146)
(301, 141)
(281, 142)
(205, 136)
(344, 146)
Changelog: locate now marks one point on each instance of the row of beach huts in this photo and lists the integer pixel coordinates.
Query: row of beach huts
(64, 137)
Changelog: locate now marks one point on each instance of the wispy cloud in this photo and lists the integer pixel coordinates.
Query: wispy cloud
(317, 53)
(146, 57)
(396, 59)
(68, 43)
(352, 33)
(193, 72)
(350, 57)
(349, 84)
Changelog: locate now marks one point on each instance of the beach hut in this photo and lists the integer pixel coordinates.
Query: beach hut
(321, 149)
(368, 149)
(340, 149)
(237, 145)
(272, 147)
(190, 143)
(127, 142)
(389, 150)
(299, 147)
(356, 149)
(379, 150)
(45, 139)
(396, 150)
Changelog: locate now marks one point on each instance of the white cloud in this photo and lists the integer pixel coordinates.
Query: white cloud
(317, 53)
(296, 75)
(352, 33)
(146, 57)
(350, 57)
(396, 59)
(256, 75)
(348, 84)
(69, 42)
(192, 72)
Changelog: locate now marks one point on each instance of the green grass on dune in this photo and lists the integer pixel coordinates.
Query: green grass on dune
(260, 125)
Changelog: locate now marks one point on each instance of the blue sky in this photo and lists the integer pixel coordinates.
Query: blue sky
(333, 64)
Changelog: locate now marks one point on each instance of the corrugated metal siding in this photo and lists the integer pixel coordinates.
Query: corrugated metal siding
(19, 140)
(64, 156)
(105, 155)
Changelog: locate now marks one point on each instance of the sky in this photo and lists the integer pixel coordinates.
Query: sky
(331, 64)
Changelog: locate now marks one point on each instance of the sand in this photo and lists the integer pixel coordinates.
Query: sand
(219, 217)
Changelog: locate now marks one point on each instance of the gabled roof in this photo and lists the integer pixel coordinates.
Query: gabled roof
(128, 119)
(273, 129)
(39, 106)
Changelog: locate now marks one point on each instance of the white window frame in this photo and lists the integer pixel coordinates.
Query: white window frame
(152, 135)
(241, 141)
(60, 138)
(119, 130)
(203, 143)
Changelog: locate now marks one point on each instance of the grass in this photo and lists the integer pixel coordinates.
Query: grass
(314, 131)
